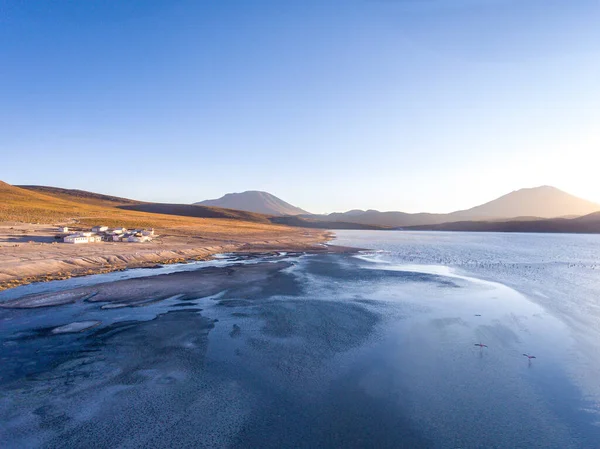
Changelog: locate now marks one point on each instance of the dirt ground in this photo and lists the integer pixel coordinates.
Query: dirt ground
(31, 253)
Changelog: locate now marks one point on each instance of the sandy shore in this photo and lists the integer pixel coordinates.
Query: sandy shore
(30, 253)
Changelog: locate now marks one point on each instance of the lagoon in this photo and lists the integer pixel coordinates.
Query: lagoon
(376, 349)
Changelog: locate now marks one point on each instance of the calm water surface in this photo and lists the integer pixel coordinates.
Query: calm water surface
(368, 350)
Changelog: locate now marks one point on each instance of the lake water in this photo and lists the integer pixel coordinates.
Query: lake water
(376, 349)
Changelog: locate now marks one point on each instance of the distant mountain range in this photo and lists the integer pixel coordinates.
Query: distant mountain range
(585, 224)
(541, 209)
(255, 201)
(524, 205)
(44, 204)
(543, 202)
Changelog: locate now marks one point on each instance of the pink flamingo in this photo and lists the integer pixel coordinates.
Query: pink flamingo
(481, 345)
(529, 357)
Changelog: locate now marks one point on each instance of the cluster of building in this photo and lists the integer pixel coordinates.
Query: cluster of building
(104, 234)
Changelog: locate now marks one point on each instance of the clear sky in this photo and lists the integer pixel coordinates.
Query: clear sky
(413, 105)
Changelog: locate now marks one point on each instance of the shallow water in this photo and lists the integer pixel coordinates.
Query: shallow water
(371, 350)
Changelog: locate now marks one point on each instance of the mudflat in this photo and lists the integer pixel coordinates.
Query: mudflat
(141, 291)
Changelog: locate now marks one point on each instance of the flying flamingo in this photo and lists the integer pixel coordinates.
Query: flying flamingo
(481, 346)
(529, 356)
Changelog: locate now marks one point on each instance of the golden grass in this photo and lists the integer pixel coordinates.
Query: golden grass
(23, 205)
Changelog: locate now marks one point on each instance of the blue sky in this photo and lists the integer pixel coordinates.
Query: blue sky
(414, 105)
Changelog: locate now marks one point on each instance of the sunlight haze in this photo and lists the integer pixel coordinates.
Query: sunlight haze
(278, 224)
(390, 105)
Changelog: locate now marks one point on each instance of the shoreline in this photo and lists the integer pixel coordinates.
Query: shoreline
(85, 267)
(187, 284)
(86, 261)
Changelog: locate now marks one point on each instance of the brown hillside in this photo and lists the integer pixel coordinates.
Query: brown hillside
(23, 205)
(192, 210)
(79, 195)
(31, 206)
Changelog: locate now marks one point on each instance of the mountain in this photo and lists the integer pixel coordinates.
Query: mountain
(538, 202)
(543, 202)
(255, 201)
(586, 224)
(386, 219)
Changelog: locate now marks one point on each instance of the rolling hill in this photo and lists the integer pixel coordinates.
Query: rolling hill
(193, 210)
(389, 219)
(42, 204)
(78, 195)
(254, 201)
(31, 206)
(295, 220)
(78, 198)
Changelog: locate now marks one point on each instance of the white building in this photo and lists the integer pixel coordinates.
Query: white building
(76, 238)
(63, 229)
(82, 238)
(100, 229)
